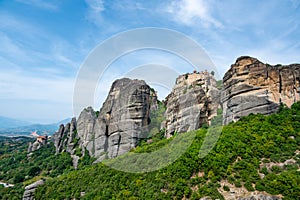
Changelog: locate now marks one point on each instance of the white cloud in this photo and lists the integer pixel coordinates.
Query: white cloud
(96, 5)
(189, 12)
(94, 12)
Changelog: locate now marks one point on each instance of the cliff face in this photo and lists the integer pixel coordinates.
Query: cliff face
(251, 86)
(116, 129)
(64, 138)
(193, 102)
(120, 123)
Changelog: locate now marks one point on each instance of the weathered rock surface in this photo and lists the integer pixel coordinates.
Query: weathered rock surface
(242, 193)
(64, 138)
(260, 197)
(121, 121)
(193, 102)
(40, 141)
(251, 86)
(29, 190)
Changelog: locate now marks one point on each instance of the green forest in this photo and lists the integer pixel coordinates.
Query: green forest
(240, 156)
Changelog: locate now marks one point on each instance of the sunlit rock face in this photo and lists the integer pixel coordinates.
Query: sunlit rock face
(250, 86)
(120, 123)
(193, 102)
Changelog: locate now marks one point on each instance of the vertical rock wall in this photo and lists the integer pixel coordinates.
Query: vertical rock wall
(251, 86)
(192, 103)
(121, 121)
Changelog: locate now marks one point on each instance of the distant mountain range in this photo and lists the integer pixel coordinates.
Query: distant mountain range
(6, 122)
(10, 126)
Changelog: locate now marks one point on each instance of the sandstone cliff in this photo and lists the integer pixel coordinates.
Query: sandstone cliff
(251, 86)
(192, 103)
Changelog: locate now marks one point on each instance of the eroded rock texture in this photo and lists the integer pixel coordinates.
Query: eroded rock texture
(192, 103)
(29, 190)
(121, 121)
(260, 197)
(64, 138)
(251, 86)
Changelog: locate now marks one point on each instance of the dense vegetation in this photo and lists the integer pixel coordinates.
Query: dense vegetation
(20, 169)
(240, 156)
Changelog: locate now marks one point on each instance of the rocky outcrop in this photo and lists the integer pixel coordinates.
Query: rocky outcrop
(85, 127)
(260, 197)
(251, 86)
(64, 138)
(29, 190)
(242, 193)
(40, 141)
(67, 140)
(121, 121)
(192, 103)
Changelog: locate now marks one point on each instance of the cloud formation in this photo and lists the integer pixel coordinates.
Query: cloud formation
(191, 12)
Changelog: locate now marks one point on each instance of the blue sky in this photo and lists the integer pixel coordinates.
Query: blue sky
(44, 43)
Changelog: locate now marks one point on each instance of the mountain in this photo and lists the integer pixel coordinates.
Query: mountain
(255, 155)
(124, 119)
(26, 129)
(117, 127)
(254, 158)
(6, 122)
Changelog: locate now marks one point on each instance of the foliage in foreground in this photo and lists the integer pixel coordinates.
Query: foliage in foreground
(20, 169)
(236, 157)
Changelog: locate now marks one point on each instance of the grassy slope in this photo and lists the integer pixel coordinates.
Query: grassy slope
(236, 158)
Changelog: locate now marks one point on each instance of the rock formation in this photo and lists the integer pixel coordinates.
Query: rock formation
(121, 121)
(251, 86)
(40, 141)
(29, 190)
(64, 138)
(116, 128)
(260, 197)
(192, 103)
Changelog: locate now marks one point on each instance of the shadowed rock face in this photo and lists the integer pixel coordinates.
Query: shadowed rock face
(193, 102)
(120, 123)
(63, 139)
(251, 86)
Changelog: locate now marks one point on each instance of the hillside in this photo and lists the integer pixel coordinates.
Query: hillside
(258, 153)
(136, 147)
(21, 168)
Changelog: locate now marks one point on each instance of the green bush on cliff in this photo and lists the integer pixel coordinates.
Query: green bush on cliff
(236, 157)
